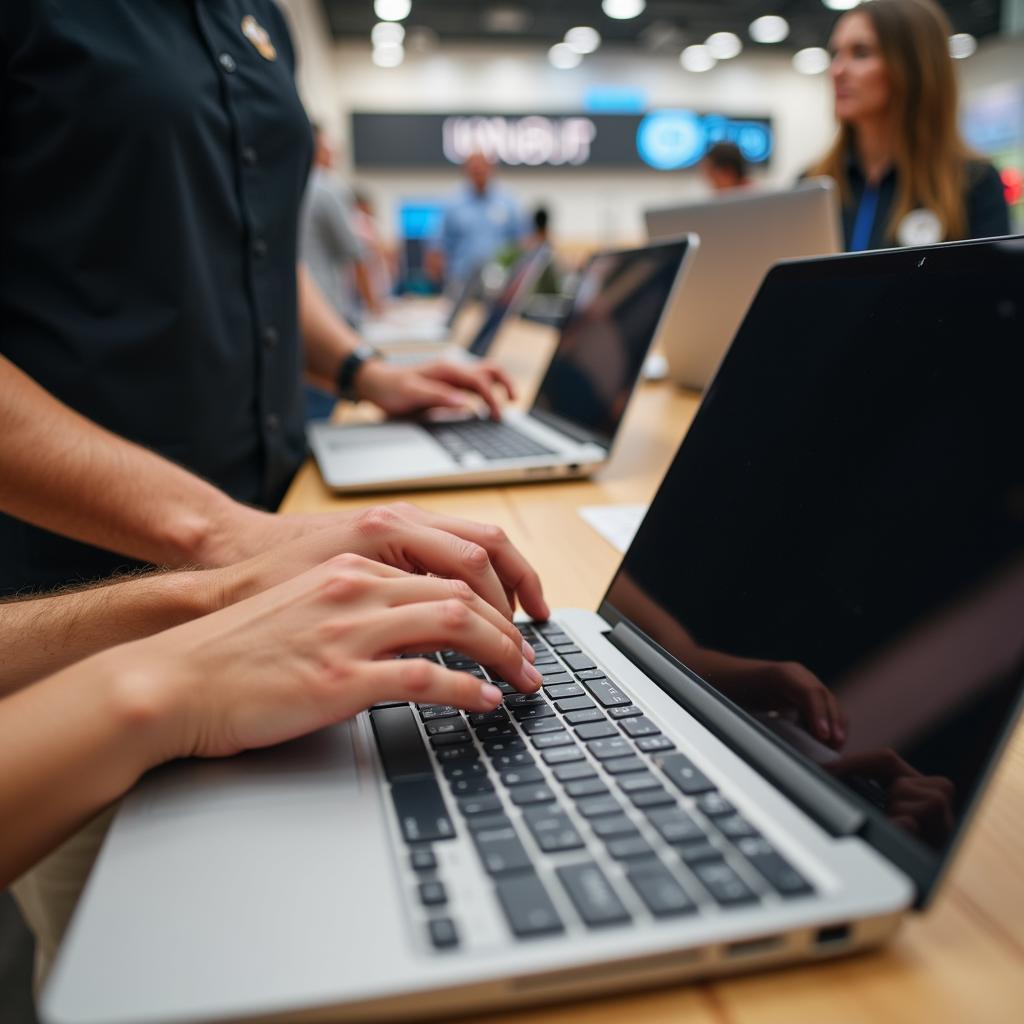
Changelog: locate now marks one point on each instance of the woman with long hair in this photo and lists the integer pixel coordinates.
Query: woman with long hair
(905, 175)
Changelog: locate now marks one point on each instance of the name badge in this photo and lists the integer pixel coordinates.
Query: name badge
(259, 37)
(919, 227)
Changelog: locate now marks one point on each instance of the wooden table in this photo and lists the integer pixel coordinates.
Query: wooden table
(962, 962)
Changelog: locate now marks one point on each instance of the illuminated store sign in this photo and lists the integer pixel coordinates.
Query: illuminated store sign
(665, 140)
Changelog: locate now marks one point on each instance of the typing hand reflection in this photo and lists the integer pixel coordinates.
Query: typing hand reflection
(921, 804)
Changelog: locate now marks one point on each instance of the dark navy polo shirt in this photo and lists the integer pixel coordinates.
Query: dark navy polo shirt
(153, 155)
(987, 213)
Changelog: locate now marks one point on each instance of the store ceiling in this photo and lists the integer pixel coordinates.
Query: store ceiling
(665, 25)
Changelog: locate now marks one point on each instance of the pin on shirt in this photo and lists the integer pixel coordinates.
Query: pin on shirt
(259, 37)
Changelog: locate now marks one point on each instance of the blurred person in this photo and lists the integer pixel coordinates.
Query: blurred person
(380, 262)
(904, 173)
(477, 223)
(330, 245)
(724, 167)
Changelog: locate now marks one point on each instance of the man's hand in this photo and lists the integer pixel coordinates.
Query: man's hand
(400, 391)
(400, 535)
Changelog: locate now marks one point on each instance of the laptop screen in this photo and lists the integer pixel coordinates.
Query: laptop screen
(516, 288)
(838, 547)
(604, 340)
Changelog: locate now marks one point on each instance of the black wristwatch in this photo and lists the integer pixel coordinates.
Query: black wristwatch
(350, 366)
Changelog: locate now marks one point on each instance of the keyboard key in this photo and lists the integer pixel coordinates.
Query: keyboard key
(557, 638)
(501, 851)
(520, 759)
(527, 906)
(540, 725)
(421, 810)
(432, 894)
(495, 731)
(473, 786)
(556, 680)
(674, 825)
(498, 715)
(649, 744)
(532, 712)
(698, 852)
(735, 827)
(641, 726)
(724, 885)
(522, 776)
(564, 690)
(593, 897)
(552, 739)
(445, 726)
(607, 693)
(683, 774)
(571, 772)
(578, 662)
(586, 715)
(520, 700)
(604, 750)
(586, 787)
(422, 859)
(562, 755)
(659, 890)
(552, 830)
(505, 745)
(465, 752)
(596, 806)
(569, 648)
(487, 822)
(521, 796)
(442, 933)
(573, 704)
(634, 783)
(554, 669)
(595, 730)
(484, 803)
(402, 750)
(714, 805)
(659, 797)
(781, 875)
(626, 711)
(449, 739)
(463, 770)
(613, 827)
(436, 711)
(629, 848)
(623, 765)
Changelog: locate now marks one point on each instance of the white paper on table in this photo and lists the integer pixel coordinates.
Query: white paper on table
(616, 523)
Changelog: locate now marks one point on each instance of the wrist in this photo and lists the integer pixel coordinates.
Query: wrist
(352, 373)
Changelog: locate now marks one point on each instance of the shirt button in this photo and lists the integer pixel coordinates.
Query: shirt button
(249, 157)
(227, 62)
(270, 338)
(259, 248)
(272, 421)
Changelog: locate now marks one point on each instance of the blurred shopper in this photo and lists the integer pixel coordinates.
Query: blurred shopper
(380, 263)
(725, 168)
(478, 222)
(905, 175)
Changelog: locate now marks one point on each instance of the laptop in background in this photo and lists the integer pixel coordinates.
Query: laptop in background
(520, 280)
(829, 536)
(571, 427)
(741, 236)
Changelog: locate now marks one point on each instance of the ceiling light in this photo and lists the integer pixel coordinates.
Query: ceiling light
(840, 5)
(769, 29)
(583, 39)
(697, 58)
(811, 61)
(386, 33)
(392, 10)
(623, 10)
(388, 56)
(563, 56)
(723, 45)
(962, 45)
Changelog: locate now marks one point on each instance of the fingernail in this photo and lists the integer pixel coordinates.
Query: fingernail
(532, 675)
(528, 652)
(490, 694)
(823, 730)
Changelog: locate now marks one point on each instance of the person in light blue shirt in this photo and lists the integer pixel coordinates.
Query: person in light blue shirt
(478, 222)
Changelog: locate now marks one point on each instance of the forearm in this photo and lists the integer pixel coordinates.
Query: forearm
(61, 471)
(41, 636)
(326, 337)
(71, 744)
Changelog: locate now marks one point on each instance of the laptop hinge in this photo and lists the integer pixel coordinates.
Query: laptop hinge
(579, 434)
(814, 796)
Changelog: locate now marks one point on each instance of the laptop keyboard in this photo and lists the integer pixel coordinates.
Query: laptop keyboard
(571, 787)
(488, 438)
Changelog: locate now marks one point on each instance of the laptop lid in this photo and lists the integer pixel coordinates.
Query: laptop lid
(515, 290)
(841, 534)
(615, 316)
(742, 234)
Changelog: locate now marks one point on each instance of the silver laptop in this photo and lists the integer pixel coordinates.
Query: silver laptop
(741, 236)
(519, 282)
(830, 541)
(410, 324)
(576, 414)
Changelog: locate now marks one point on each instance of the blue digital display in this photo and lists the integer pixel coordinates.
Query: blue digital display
(420, 219)
(670, 139)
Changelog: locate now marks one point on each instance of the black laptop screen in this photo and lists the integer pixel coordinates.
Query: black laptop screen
(838, 547)
(605, 338)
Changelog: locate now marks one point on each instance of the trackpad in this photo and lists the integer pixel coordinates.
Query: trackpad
(382, 451)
